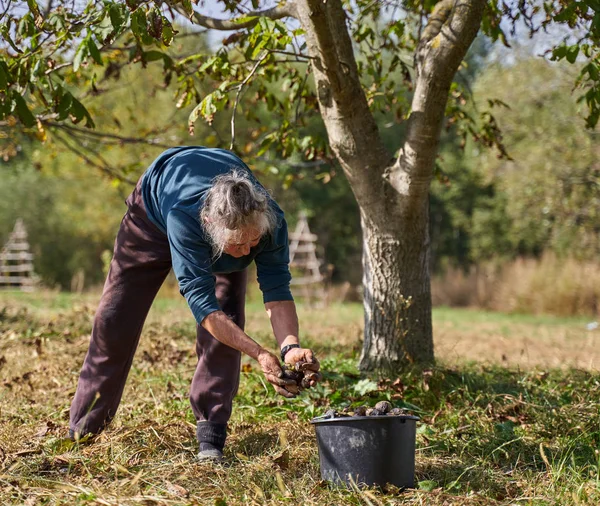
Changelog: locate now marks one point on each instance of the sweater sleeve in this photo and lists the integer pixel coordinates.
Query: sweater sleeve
(191, 257)
(272, 266)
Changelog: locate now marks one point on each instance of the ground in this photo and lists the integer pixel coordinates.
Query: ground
(509, 415)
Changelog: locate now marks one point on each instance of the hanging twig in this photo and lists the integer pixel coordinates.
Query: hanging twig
(240, 88)
(300, 96)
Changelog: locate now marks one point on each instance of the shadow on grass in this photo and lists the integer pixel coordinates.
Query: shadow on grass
(486, 428)
(255, 444)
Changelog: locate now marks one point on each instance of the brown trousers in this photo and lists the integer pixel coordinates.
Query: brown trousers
(140, 264)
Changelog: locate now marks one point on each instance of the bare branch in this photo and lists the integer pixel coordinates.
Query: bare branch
(240, 88)
(287, 10)
(300, 97)
(99, 136)
(290, 53)
(8, 4)
(48, 9)
(103, 167)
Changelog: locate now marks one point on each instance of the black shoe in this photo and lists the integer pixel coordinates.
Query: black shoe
(209, 453)
(211, 437)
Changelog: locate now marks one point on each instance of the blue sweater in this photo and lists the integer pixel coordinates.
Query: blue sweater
(174, 188)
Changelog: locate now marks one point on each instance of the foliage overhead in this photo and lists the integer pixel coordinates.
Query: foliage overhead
(56, 58)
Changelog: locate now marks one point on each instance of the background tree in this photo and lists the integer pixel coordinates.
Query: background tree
(353, 51)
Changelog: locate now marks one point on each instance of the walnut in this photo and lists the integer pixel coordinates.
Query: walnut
(398, 411)
(383, 406)
(332, 413)
(360, 411)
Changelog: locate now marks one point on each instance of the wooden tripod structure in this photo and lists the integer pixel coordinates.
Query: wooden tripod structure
(16, 267)
(303, 258)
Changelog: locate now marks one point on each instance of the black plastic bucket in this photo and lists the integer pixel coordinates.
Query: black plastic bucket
(369, 450)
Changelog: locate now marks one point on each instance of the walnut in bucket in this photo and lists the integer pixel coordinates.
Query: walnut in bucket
(383, 406)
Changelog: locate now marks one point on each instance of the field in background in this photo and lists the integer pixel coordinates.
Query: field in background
(461, 334)
(548, 285)
(505, 419)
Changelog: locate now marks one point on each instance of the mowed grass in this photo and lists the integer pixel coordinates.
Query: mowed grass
(510, 415)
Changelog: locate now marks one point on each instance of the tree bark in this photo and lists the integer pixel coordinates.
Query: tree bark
(393, 195)
(397, 294)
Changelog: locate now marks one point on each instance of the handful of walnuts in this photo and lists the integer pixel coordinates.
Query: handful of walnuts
(302, 375)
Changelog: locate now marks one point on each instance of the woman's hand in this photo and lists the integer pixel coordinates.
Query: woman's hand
(302, 356)
(303, 360)
(271, 368)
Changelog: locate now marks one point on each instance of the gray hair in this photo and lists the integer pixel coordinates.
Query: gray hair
(233, 205)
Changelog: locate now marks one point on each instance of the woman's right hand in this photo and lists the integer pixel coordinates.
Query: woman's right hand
(271, 368)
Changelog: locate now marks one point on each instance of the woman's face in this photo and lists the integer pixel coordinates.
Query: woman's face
(240, 246)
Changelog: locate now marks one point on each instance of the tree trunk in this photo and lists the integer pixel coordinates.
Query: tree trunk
(397, 294)
(393, 195)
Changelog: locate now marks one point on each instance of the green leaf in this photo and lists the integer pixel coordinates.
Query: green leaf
(80, 55)
(104, 30)
(26, 27)
(208, 63)
(23, 112)
(4, 76)
(245, 19)
(94, 52)
(64, 105)
(567, 14)
(572, 53)
(168, 32)
(427, 485)
(6, 35)
(365, 386)
(559, 52)
(139, 26)
(153, 55)
(187, 6)
(5, 106)
(258, 48)
(116, 17)
(154, 23)
(79, 112)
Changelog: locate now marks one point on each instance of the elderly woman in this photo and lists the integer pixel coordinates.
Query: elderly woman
(201, 212)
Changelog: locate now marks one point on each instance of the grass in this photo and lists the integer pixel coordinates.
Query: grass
(492, 431)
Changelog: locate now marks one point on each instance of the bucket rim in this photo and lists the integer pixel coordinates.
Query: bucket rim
(319, 420)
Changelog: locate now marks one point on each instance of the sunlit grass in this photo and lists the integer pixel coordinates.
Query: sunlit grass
(488, 435)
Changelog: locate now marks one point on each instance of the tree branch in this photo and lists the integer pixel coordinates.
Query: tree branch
(100, 136)
(287, 10)
(240, 88)
(103, 167)
(351, 128)
(441, 13)
(451, 29)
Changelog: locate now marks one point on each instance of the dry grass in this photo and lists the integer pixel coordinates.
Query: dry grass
(478, 444)
(562, 287)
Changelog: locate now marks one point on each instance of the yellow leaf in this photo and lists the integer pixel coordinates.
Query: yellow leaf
(41, 131)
